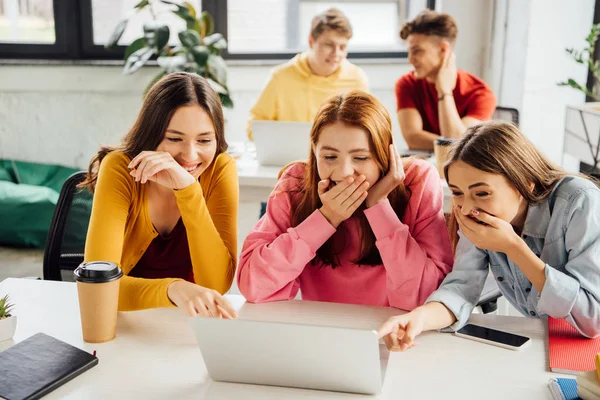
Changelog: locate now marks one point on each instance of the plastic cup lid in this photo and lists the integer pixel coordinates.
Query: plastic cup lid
(97, 272)
(444, 141)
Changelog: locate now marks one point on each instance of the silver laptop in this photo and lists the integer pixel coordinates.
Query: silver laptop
(279, 143)
(292, 355)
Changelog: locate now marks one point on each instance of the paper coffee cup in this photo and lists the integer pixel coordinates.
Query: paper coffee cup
(441, 148)
(98, 291)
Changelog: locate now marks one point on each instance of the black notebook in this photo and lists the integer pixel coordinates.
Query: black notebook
(38, 365)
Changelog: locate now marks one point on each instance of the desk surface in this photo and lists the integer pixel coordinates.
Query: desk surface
(155, 354)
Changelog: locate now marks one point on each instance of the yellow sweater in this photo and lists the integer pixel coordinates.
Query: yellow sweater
(295, 93)
(120, 228)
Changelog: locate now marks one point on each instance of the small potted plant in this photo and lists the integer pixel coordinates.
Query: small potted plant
(8, 322)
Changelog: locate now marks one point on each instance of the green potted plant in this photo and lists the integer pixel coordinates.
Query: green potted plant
(582, 123)
(8, 322)
(198, 49)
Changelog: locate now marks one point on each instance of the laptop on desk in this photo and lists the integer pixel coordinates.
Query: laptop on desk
(292, 355)
(279, 143)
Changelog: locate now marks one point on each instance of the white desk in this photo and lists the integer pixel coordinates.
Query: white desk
(154, 355)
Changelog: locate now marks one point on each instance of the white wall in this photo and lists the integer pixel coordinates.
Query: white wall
(528, 48)
(474, 29)
(548, 63)
(63, 113)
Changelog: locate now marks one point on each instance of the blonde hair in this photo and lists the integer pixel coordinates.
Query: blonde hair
(332, 19)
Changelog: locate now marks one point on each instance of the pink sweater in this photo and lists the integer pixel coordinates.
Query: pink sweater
(416, 252)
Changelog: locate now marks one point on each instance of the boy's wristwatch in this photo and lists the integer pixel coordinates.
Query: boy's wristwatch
(441, 97)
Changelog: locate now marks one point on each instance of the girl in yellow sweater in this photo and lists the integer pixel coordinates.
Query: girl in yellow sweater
(165, 202)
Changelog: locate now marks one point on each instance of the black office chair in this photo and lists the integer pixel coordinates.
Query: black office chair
(488, 300)
(65, 243)
(506, 114)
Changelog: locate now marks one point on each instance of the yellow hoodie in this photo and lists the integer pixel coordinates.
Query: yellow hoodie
(295, 93)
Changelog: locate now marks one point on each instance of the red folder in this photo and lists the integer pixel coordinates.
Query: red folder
(570, 352)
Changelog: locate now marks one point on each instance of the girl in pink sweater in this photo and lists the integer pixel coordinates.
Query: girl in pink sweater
(353, 224)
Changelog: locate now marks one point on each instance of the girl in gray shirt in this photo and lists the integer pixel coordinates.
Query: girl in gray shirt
(536, 228)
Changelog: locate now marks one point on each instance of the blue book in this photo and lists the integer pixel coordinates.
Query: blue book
(563, 388)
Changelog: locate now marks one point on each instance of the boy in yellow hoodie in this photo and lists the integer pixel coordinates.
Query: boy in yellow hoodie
(296, 89)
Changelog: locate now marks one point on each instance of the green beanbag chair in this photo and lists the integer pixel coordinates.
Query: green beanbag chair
(28, 195)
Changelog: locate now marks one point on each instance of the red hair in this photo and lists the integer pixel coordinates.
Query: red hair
(364, 111)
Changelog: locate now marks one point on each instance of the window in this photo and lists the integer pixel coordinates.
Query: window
(29, 21)
(255, 29)
(30, 28)
(107, 14)
(253, 35)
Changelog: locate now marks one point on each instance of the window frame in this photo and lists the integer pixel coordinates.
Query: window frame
(73, 23)
(218, 9)
(65, 15)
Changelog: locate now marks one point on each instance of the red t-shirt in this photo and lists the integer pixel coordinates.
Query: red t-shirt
(472, 96)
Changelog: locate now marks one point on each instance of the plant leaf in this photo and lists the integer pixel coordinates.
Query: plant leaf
(117, 33)
(218, 47)
(226, 100)
(156, 34)
(172, 64)
(138, 59)
(195, 25)
(218, 68)
(162, 36)
(5, 307)
(190, 9)
(200, 54)
(207, 22)
(212, 39)
(141, 4)
(217, 87)
(190, 38)
(134, 46)
(182, 11)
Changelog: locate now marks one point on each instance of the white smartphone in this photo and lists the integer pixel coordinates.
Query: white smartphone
(494, 337)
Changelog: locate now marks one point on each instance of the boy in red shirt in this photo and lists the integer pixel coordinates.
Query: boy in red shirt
(436, 99)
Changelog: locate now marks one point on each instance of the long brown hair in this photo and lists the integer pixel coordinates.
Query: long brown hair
(163, 99)
(500, 148)
(361, 110)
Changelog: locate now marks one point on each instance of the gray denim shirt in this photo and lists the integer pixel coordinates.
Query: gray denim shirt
(566, 238)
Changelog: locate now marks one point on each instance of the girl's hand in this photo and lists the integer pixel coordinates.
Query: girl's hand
(197, 300)
(390, 181)
(342, 200)
(160, 167)
(399, 332)
(488, 232)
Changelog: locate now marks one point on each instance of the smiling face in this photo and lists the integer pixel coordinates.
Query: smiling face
(343, 151)
(190, 139)
(426, 53)
(473, 189)
(327, 52)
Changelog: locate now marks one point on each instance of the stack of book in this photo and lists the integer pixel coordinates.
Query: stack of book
(571, 353)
